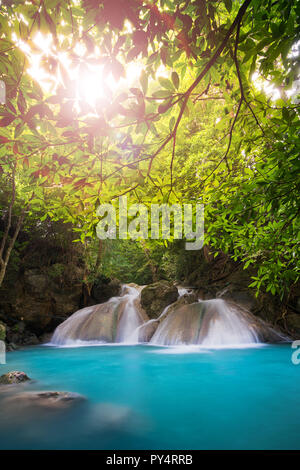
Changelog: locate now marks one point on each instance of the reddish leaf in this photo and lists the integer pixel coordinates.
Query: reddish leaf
(21, 102)
(15, 148)
(3, 139)
(7, 120)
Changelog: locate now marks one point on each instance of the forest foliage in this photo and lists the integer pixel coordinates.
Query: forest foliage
(210, 114)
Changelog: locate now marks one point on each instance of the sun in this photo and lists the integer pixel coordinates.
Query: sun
(89, 79)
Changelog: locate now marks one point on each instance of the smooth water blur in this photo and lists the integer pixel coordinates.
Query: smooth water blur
(146, 397)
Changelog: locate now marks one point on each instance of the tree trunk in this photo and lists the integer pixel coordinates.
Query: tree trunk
(5, 242)
(5, 259)
(99, 256)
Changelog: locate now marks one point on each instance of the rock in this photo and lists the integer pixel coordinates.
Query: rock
(143, 315)
(18, 334)
(35, 281)
(104, 288)
(66, 301)
(95, 323)
(147, 331)
(36, 313)
(45, 338)
(155, 297)
(109, 415)
(293, 323)
(185, 299)
(30, 340)
(14, 377)
(44, 400)
(11, 347)
(245, 298)
(2, 331)
(213, 323)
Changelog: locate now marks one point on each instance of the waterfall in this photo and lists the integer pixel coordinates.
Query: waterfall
(130, 320)
(226, 326)
(138, 333)
(112, 321)
(139, 330)
(210, 323)
(183, 291)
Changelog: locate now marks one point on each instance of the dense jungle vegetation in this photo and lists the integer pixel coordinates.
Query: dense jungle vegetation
(162, 101)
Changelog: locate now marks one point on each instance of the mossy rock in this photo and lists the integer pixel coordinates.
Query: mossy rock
(13, 377)
(155, 297)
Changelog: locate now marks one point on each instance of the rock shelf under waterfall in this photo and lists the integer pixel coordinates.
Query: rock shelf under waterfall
(188, 320)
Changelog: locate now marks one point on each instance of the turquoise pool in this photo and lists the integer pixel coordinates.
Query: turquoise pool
(146, 397)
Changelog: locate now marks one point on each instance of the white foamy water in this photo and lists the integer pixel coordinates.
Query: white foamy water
(209, 323)
(130, 320)
(204, 324)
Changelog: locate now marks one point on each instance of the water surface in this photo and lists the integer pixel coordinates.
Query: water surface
(147, 397)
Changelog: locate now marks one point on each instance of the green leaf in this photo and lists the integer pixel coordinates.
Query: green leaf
(165, 83)
(175, 79)
(144, 81)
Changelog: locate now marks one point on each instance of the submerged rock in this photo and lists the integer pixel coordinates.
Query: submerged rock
(14, 377)
(155, 297)
(109, 415)
(47, 400)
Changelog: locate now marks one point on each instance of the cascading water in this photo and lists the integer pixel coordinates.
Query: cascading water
(210, 323)
(144, 326)
(226, 326)
(130, 320)
(138, 333)
(112, 321)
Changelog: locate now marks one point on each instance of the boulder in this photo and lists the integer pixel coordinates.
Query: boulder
(293, 323)
(147, 330)
(104, 288)
(36, 313)
(19, 334)
(13, 377)
(240, 296)
(155, 297)
(185, 299)
(95, 323)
